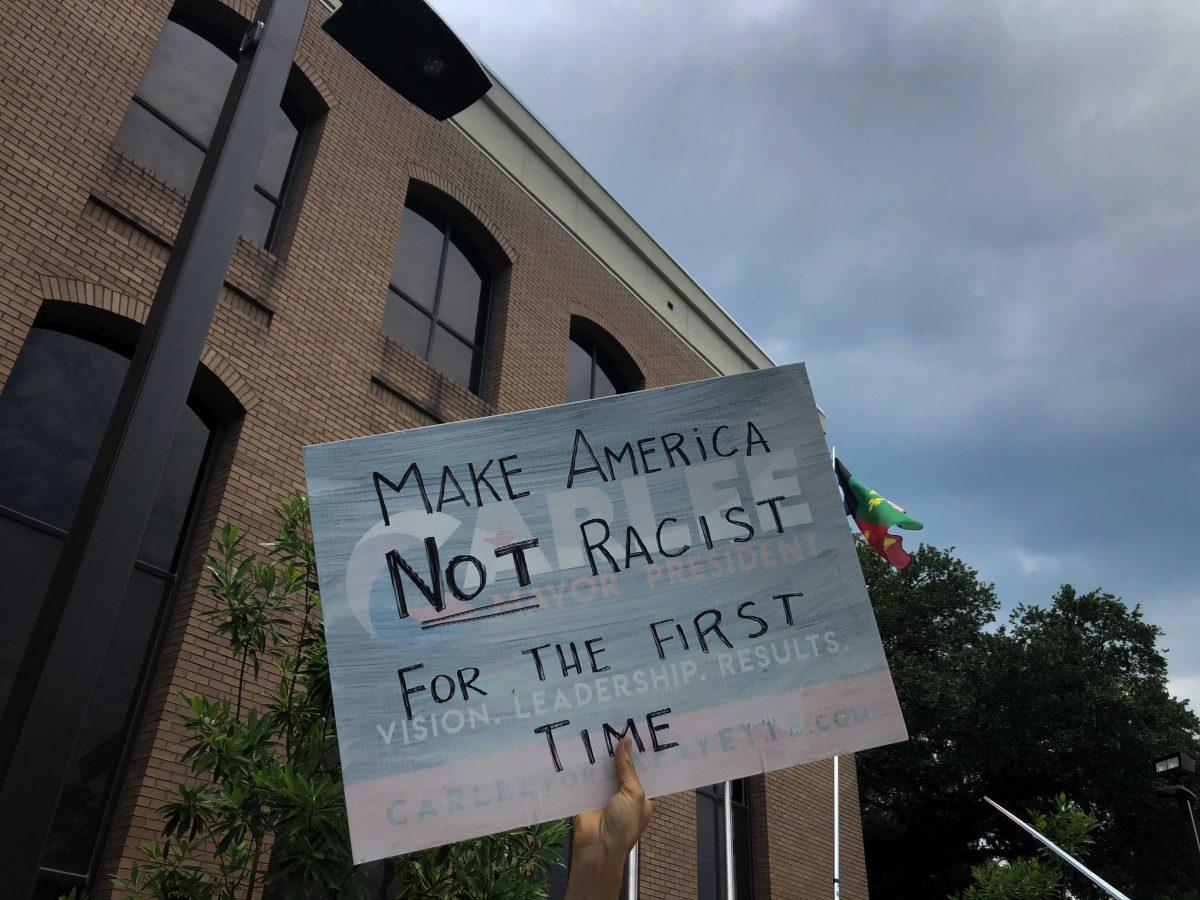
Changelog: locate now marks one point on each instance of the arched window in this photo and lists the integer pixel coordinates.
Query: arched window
(53, 412)
(597, 366)
(437, 299)
(170, 122)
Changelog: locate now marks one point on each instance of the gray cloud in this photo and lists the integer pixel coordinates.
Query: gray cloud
(977, 223)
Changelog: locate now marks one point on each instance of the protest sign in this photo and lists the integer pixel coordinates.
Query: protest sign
(505, 597)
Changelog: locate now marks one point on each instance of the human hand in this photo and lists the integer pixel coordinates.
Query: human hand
(603, 838)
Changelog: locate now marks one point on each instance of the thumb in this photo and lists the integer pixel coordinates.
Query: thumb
(627, 776)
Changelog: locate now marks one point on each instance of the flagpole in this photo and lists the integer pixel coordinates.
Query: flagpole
(837, 827)
(730, 884)
(1088, 873)
(837, 861)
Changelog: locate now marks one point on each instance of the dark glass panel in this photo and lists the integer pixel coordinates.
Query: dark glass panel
(579, 372)
(52, 415)
(53, 412)
(743, 874)
(462, 290)
(257, 218)
(52, 886)
(608, 379)
(738, 792)
(27, 558)
(273, 170)
(453, 357)
(603, 386)
(97, 753)
(186, 80)
(406, 324)
(418, 258)
(165, 528)
(710, 857)
(153, 144)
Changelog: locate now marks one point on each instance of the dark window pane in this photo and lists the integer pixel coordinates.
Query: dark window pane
(406, 324)
(452, 356)
(153, 144)
(462, 288)
(27, 558)
(186, 80)
(273, 169)
(165, 527)
(738, 792)
(607, 372)
(418, 257)
(742, 871)
(185, 83)
(257, 218)
(604, 386)
(52, 886)
(52, 415)
(710, 839)
(98, 751)
(53, 412)
(579, 372)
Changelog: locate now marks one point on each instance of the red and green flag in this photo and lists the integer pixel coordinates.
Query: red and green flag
(874, 515)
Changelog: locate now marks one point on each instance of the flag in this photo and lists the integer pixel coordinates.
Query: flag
(874, 515)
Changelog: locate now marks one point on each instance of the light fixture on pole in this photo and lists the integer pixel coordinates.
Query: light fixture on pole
(415, 54)
(409, 48)
(1172, 769)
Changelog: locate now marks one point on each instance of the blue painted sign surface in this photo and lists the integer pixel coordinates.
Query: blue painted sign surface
(505, 597)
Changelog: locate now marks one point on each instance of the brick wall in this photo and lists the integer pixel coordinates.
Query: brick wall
(296, 340)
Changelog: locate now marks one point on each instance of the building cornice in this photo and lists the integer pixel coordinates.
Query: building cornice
(513, 138)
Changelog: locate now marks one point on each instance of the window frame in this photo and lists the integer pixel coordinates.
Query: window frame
(209, 411)
(454, 233)
(294, 111)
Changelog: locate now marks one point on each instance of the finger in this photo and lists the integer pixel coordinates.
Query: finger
(627, 775)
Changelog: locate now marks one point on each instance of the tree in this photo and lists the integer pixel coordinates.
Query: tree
(1067, 698)
(921, 798)
(265, 811)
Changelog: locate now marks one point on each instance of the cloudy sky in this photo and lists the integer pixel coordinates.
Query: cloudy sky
(977, 223)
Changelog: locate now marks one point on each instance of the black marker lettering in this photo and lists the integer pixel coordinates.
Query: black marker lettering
(655, 729)
(397, 564)
(382, 479)
(583, 526)
(517, 551)
(548, 730)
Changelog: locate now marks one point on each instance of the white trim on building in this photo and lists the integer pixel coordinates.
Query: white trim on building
(512, 137)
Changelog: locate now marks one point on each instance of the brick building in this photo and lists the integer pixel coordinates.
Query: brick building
(393, 272)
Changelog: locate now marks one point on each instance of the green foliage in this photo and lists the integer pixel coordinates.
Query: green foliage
(1071, 698)
(1069, 826)
(265, 811)
(1045, 876)
(1025, 879)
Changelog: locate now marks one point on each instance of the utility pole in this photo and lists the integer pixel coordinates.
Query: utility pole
(50, 695)
(1183, 799)
(410, 49)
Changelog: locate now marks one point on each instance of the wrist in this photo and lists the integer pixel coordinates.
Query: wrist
(595, 873)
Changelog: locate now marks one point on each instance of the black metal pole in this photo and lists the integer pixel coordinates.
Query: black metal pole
(1192, 836)
(43, 717)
